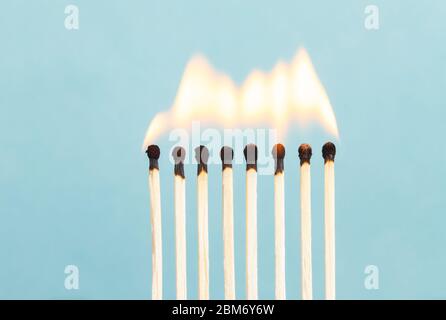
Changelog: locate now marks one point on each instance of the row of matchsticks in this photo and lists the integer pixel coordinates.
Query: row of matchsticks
(227, 155)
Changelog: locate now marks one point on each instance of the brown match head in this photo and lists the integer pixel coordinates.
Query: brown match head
(153, 152)
(226, 156)
(178, 154)
(329, 151)
(305, 153)
(278, 151)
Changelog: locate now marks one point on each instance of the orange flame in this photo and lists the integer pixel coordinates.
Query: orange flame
(290, 92)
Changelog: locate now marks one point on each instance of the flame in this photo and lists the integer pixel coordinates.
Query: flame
(290, 92)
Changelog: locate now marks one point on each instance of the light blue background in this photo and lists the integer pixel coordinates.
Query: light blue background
(74, 106)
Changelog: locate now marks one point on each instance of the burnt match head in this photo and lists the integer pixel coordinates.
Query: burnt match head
(278, 153)
(328, 151)
(178, 155)
(305, 153)
(202, 157)
(251, 154)
(153, 152)
(202, 154)
(226, 156)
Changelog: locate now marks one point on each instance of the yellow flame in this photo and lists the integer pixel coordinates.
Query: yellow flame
(290, 92)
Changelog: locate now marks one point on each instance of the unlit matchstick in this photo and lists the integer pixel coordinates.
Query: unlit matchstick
(305, 224)
(250, 153)
(178, 155)
(202, 156)
(226, 155)
(153, 152)
(328, 153)
(278, 153)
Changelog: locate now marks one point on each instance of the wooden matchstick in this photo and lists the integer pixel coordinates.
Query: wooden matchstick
(278, 153)
(178, 155)
(153, 152)
(226, 155)
(328, 153)
(202, 156)
(250, 153)
(305, 224)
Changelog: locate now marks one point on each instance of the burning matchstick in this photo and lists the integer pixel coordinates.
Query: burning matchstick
(278, 153)
(226, 155)
(290, 94)
(153, 152)
(305, 209)
(328, 153)
(251, 154)
(178, 155)
(202, 156)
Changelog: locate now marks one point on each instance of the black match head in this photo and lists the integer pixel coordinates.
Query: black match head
(226, 156)
(202, 157)
(178, 154)
(278, 151)
(305, 153)
(251, 154)
(329, 151)
(202, 154)
(153, 152)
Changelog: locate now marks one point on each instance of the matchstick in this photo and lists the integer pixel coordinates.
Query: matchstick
(305, 218)
(250, 153)
(178, 155)
(328, 153)
(153, 152)
(202, 156)
(278, 153)
(226, 155)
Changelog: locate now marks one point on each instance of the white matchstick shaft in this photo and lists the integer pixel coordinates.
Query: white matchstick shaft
(305, 208)
(251, 234)
(180, 236)
(157, 253)
(228, 233)
(330, 288)
(203, 237)
(279, 225)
